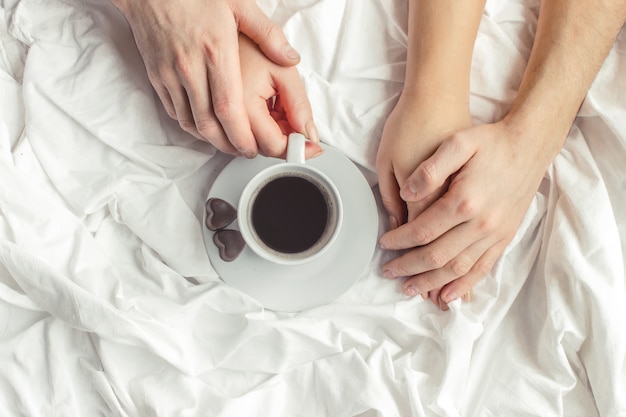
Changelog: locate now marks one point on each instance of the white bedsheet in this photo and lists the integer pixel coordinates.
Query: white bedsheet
(109, 305)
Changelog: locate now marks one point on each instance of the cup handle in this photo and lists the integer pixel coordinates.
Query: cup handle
(295, 148)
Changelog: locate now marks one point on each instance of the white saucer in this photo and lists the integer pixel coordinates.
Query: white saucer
(297, 287)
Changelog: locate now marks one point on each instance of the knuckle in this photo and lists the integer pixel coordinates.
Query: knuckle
(426, 172)
(272, 31)
(457, 142)
(435, 259)
(170, 112)
(208, 128)
(402, 269)
(427, 283)
(483, 268)
(301, 104)
(299, 110)
(420, 236)
(448, 204)
(225, 110)
(487, 224)
(169, 108)
(467, 207)
(211, 51)
(165, 74)
(460, 266)
(188, 125)
(182, 66)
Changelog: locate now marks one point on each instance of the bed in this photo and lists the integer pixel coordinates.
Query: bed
(109, 305)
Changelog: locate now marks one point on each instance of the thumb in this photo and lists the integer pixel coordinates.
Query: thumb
(433, 173)
(268, 35)
(389, 192)
(293, 100)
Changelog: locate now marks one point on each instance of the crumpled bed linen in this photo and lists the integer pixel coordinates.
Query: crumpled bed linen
(109, 305)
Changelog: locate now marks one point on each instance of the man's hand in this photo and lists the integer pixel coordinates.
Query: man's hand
(494, 174)
(190, 50)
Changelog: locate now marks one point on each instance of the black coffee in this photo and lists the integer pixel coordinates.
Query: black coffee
(290, 214)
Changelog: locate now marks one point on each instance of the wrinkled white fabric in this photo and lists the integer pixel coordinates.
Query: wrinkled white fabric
(109, 305)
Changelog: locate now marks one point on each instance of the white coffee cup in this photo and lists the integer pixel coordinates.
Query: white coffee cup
(290, 212)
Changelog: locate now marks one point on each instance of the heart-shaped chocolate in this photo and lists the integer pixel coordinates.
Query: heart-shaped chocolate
(219, 213)
(230, 244)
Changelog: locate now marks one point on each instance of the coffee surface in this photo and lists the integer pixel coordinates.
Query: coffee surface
(290, 214)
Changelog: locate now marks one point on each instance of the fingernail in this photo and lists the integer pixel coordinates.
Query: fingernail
(450, 297)
(383, 245)
(410, 290)
(393, 222)
(468, 296)
(311, 132)
(291, 53)
(388, 273)
(318, 153)
(249, 154)
(408, 192)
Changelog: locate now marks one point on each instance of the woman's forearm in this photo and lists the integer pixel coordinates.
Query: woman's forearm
(573, 38)
(441, 41)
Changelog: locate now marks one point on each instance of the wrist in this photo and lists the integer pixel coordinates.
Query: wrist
(539, 133)
(430, 99)
(432, 115)
(433, 82)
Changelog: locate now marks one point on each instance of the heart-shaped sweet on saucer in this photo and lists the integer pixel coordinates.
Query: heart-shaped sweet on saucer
(219, 213)
(230, 243)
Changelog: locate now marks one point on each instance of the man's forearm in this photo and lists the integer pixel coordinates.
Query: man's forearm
(573, 38)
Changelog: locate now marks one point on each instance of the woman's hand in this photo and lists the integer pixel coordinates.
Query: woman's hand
(190, 51)
(493, 175)
(275, 101)
(414, 130)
